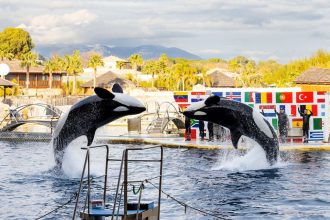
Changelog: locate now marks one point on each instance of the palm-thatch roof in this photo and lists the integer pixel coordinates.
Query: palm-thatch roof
(320, 76)
(107, 80)
(220, 79)
(6, 83)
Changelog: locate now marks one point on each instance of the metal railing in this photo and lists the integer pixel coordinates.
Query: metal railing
(124, 161)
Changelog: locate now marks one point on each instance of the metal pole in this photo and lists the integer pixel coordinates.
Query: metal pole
(81, 182)
(160, 180)
(106, 174)
(88, 182)
(119, 178)
(125, 184)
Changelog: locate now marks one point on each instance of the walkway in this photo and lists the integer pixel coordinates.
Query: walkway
(174, 141)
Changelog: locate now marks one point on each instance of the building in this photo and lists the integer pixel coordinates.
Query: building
(39, 80)
(111, 63)
(314, 79)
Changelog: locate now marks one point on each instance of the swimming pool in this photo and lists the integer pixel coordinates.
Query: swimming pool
(223, 182)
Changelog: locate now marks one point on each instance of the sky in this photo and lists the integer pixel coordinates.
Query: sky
(258, 29)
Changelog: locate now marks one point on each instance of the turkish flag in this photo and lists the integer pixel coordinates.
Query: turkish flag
(304, 97)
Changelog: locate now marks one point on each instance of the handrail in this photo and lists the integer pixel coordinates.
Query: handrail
(124, 164)
(57, 111)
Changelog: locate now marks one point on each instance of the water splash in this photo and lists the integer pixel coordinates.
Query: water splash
(74, 158)
(253, 159)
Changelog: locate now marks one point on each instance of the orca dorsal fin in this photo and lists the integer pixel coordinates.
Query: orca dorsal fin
(235, 136)
(117, 88)
(212, 100)
(103, 93)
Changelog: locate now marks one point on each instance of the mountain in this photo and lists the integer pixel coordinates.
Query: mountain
(146, 51)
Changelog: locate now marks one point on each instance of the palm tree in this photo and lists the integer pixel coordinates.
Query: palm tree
(136, 60)
(185, 73)
(51, 66)
(27, 60)
(93, 62)
(73, 67)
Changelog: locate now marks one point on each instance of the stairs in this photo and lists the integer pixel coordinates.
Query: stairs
(156, 126)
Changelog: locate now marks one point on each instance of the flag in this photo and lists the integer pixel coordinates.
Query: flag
(217, 94)
(194, 123)
(251, 105)
(317, 124)
(248, 97)
(316, 135)
(268, 110)
(258, 97)
(282, 107)
(234, 96)
(297, 122)
(197, 96)
(183, 106)
(181, 96)
(320, 97)
(284, 97)
(293, 110)
(304, 97)
(264, 97)
(312, 108)
(274, 123)
(322, 110)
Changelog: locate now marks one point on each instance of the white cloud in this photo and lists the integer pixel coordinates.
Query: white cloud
(284, 28)
(60, 28)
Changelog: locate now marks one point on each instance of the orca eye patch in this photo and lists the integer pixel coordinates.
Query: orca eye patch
(212, 100)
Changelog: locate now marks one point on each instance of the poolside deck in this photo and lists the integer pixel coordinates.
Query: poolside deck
(173, 141)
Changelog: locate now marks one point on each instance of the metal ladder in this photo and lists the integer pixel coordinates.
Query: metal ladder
(124, 162)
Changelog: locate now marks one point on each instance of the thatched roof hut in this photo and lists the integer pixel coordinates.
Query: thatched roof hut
(314, 79)
(107, 80)
(6, 83)
(221, 80)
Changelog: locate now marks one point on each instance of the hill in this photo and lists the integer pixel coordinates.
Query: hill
(146, 51)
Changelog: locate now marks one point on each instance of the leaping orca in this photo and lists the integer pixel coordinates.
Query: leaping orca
(90, 113)
(240, 119)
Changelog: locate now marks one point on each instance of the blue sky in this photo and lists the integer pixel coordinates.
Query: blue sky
(263, 29)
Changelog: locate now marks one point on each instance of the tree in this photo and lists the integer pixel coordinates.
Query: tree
(73, 67)
(150, 67)
(237, 64)
(15, 41)
(120, 64)
(51, 66)
(93, 62)
(186, 75)
(27, 60)
(136, 60)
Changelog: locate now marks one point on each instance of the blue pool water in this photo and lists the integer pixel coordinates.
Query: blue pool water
(223, 182)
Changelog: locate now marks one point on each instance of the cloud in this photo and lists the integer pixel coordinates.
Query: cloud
(284, 28)
(58, 28)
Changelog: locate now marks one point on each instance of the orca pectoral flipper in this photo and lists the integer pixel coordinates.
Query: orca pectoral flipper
(235, 136)
(90, 136)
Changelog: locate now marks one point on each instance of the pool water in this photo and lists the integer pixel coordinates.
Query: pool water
(228, 184)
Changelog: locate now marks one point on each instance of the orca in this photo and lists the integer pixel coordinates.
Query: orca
(90, 113)
(240, 119)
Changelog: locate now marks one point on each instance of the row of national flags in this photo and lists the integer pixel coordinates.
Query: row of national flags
(292, 102)
(284, 97)
(256, 97)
